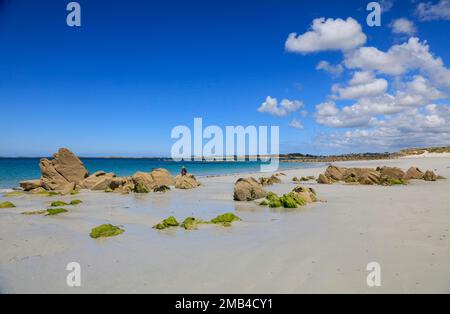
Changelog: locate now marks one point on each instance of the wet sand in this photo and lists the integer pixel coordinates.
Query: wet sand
(323, 247)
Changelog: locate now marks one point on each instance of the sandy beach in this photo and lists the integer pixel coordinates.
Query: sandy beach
(323, 247)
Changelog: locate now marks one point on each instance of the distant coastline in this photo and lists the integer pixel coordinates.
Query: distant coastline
(289, 157)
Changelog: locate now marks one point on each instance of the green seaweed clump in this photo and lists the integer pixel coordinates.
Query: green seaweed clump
(291, 200)
(13, 193)
(75, 202)
(288, 201)
(141, 188)
(58, 204)
(275, 203)
(7, 205)
(105, 230)
(74, 192)
(55, 211)
(167, 223)
(393, 181)
(264, 203)
(297, 198)
(271, 196)
(47, 193)
(225, 219)
(191, 223)
(36, 212)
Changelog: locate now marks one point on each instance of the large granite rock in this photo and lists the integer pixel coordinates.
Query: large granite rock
(429, 176)
(143, 180)
(69, 166)
(51, 179)
(323, 179)
(162, 177)
(414, 173)
(93, 179)
(248, 189)
(335, 173)
(186, 182)
(307, 194)
(391, 172)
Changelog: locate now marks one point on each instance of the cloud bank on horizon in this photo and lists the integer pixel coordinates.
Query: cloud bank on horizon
(398, 96)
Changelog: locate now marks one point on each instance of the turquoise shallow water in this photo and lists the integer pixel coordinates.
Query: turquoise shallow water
(13, 170)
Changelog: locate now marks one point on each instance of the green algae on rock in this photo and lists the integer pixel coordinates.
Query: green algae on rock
(58, 204)
(75, 202)
(35, 212)
(47, 193)
(74, 192)
(56, 211)
(393, 181)
(275, 203)
(7, 205)
(13, 194)
(291, 200)
(167, 223)
(141, 189)
(225, 219)
(191, 223)
(105, 230)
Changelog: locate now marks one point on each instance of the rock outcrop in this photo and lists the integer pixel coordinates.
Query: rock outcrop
(30, 184)
(90, 181)
(186, 182)
(248, 189)
(369, 176)
(306, 193)
(143, 180)
(51, 179)
(162, 177)
(429, 176)
(323, 179)
(335, 173)
(69, 166)
(413, 173)
(63, 173)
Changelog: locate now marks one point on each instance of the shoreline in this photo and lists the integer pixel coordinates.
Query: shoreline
(323, 247)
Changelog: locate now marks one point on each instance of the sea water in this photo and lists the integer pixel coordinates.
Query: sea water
(14, 170)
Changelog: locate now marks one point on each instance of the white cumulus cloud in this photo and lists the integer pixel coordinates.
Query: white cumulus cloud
(334, 70)
(403, 26)
(296, 124)
(328, 34)
(363, 84)
(427, 11)
(286, 106)
(399, 59)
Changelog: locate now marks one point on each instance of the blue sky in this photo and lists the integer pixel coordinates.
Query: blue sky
(118, 84)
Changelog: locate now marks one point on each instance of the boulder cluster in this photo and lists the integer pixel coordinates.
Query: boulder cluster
(370, 176)
(66, 173)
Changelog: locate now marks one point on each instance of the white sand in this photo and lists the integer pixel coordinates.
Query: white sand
(324, 247)
(426, 154)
